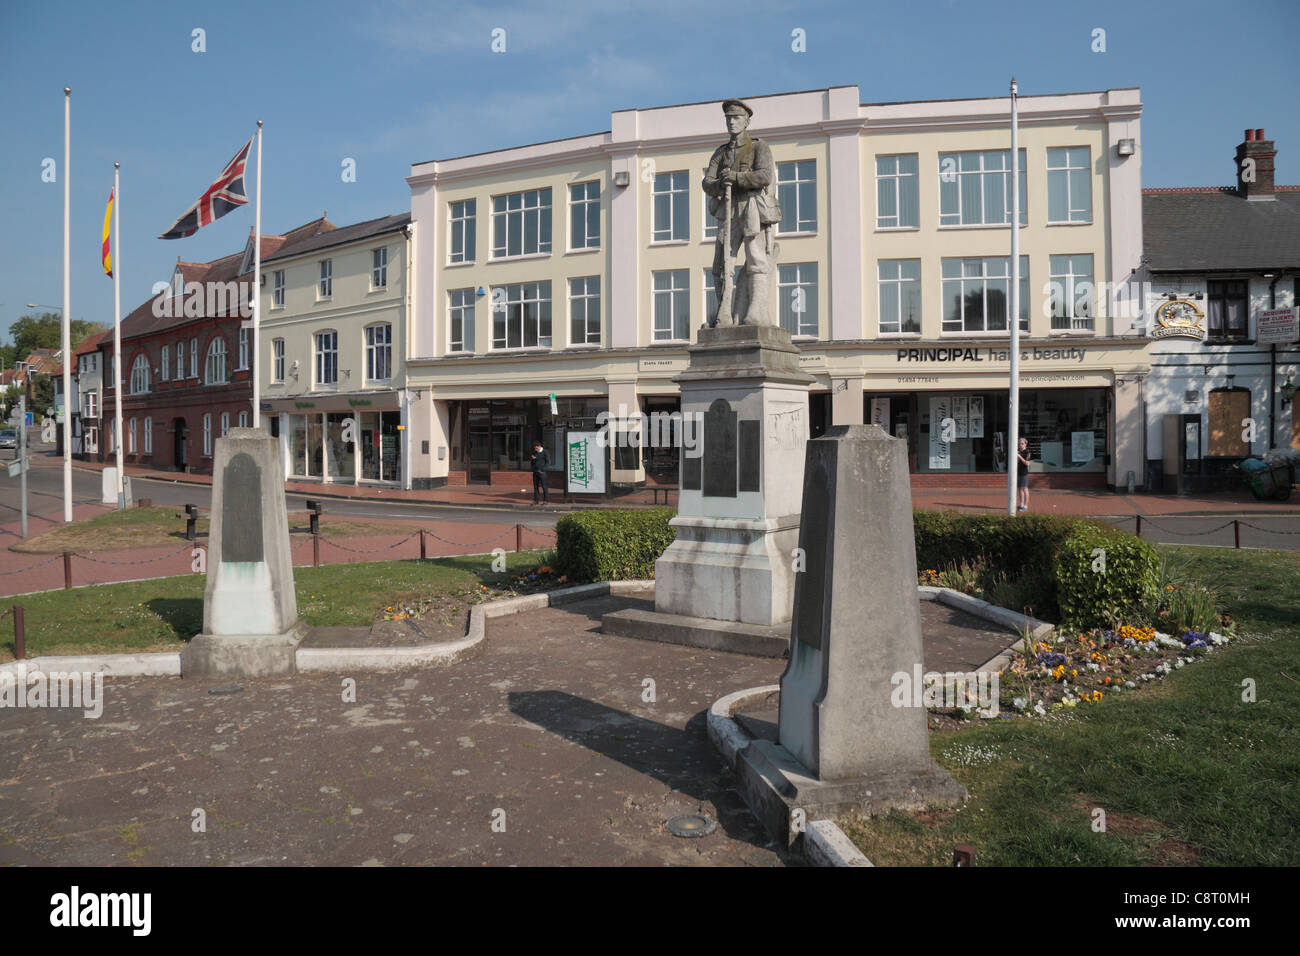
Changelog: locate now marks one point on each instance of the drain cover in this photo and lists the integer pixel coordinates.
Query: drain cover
(228, 689)
(691, 825)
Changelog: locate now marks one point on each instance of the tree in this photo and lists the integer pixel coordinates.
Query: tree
(43, 393)
(45, 332)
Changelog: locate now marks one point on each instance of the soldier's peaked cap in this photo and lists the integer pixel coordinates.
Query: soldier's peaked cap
(735, 106)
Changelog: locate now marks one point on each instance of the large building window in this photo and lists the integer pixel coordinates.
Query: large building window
(1069, 184)
(327, 358)
(974, 189)
(521, 224)
(584, 310)
(672, 207)
(379, 352)
(797, 295)
(277, 360)
(900, 295)
(379, 268)
(245, 347)
(672, 305)
(194, 358)
(214, 371)
(975, 294)
(1226, 315)
(148, 436)
(797, 191)
(180, 361)
(131, 437)
(521, 316)
(277, 290)
(325, 288)
(462, 231)
(1071, 292)
(140, 375)
(584, 216)
(898, 192)
(460, 321)
(89, 404)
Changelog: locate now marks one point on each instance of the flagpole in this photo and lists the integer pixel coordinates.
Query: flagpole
(1013, 396)
(256, 357)
(67, 304)
(117, 329)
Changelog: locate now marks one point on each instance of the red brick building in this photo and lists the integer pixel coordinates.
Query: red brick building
(187, 364)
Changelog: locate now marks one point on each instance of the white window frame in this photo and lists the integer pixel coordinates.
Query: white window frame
(902, 285)
(216, 362)
(320, 363)
(180, 362)
(974, 179)
(791, 276)
(131, 437)
(517, 299)
(243, 419)
(532, 214)
(245, 347)
(789, 190)
(148, 436)
(194, 358)
(277, 290)
(325, 286)
(897, 181)
(207, 435)
(1063, 291)
(164, 365)
(277, 360)
(584, 308)
(987, 265)
(1062, 153)
(679, 305)
(140, 375)
(462, 223)
(225, 423)
(379, 269)
(460, 308)
(675, 185)
(375, 349)
(584, 216)
(90, 404)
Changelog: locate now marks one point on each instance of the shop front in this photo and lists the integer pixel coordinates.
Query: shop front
(342, 440)
(1079, 409)
(492, 439)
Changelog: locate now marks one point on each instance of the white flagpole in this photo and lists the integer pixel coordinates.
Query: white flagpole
(67, 304)
(117, 329)
(256, 357)
(1013, 417)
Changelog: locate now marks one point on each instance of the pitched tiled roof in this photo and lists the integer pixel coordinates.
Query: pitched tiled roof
(91, 343)
(341, 236)
(1215, 229)
(141, 321)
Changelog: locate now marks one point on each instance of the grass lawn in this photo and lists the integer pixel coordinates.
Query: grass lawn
(162, 615)
(158, 526)
(1186, 772)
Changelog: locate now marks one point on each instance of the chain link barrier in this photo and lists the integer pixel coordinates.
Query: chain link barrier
(32, 567)
(90, 556)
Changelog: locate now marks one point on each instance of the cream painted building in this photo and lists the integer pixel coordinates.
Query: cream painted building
(334, 332)
(579, 268)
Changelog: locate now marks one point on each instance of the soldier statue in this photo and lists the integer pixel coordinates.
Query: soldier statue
(741, 184)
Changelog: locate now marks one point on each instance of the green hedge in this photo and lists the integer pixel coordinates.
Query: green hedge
(1053, 557)
(1104, 575)
(612, 545)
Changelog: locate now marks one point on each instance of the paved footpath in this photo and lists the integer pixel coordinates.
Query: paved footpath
(550, 722)
(22, 573)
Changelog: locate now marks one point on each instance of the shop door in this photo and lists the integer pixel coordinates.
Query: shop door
(480, 443)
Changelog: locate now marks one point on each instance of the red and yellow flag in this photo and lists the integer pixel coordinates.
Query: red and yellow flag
(108, 219)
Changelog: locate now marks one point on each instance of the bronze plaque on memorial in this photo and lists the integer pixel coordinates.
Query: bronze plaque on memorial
(241, 517)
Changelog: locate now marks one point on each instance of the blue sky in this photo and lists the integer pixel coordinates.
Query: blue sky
(393, 82)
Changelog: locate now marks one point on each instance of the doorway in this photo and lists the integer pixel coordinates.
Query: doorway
(179, 439)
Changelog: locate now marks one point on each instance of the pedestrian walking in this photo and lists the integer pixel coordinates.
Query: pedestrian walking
(540, 463)
(1022, 478)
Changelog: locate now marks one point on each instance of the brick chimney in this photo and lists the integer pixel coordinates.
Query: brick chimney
(1255, 159)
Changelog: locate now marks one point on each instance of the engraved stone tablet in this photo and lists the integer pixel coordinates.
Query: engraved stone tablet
(241, 519)
(751, 444)
(720, 450)
(690, 472)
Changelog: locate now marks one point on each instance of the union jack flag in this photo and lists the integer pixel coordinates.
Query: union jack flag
(219, 198)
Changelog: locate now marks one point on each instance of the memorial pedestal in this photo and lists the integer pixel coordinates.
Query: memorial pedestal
(738, 506)
(250, 611)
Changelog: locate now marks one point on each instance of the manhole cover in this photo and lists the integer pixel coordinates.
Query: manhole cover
(228, 689)
(691, 825)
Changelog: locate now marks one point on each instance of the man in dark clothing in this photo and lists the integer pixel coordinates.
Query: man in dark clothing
(540, 462)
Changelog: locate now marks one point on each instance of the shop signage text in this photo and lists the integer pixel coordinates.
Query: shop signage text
(1276, 326)
(957, 354)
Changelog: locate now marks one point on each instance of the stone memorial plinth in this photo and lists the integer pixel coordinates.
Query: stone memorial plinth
(846, 740)
(250, 611)
(738, 506)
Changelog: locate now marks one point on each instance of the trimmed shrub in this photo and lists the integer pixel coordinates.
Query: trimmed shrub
(1104, 576)
(612, 545)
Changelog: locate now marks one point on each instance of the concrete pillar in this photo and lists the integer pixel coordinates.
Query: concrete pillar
(846, 401)
(623, 409)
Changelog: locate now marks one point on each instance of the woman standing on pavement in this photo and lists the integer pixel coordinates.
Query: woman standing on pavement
(1022, 477)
